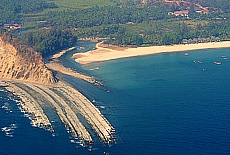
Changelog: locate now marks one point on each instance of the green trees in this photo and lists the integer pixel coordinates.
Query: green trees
(82, 18)
(48, 41)
(127, 23)
(11, 11)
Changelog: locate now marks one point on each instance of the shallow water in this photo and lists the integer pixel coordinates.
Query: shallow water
(167, 104)
(159, 104)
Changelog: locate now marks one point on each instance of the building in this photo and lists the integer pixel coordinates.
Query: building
(200, 40)
(6, 25)
(202, 12)
(183, 13)
(12, 26)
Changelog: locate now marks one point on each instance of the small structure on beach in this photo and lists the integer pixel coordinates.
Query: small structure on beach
(200, 40)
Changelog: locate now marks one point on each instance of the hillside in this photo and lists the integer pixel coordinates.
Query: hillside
(58, 24)
(16, 65)
(204, 6)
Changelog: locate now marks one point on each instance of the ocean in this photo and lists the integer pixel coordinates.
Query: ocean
(172, 103)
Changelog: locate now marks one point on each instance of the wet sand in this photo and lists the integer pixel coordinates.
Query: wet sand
(103, 53)
(58, 55)
(55, 65)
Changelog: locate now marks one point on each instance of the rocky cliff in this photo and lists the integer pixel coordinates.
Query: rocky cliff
(27, 66)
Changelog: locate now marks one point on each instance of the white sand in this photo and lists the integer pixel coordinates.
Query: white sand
(104, 54)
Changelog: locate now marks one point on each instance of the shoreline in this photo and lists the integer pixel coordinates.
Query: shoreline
(55, 65)
(103, 53)
(58, 55)
(28, 105)
(65, 99)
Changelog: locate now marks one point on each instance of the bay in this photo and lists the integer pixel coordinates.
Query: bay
(158, 104)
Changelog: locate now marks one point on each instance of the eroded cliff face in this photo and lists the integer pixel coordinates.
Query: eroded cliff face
(23, 65)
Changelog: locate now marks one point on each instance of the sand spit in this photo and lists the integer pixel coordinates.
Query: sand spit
(103, 54)
(58, 55)
(57, 66)
(68, 102)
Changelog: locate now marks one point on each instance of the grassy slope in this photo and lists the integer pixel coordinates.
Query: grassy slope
(73, 4)
(67, 4)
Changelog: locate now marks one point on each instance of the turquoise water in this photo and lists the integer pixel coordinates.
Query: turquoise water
(167, 104)
(159, 104)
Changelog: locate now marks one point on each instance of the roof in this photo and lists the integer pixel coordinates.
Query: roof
(181, 12)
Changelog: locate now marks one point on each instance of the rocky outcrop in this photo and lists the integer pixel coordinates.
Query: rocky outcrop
(28, 66)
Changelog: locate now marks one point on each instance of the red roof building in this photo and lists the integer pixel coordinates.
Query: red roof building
(181, 13)
(12, 26)
(6, 25)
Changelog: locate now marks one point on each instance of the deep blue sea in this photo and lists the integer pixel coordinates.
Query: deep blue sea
(160, 104)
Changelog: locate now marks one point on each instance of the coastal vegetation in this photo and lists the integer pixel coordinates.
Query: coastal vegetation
(45, 41)
(73, 4)
(12, 11)
(51, 26)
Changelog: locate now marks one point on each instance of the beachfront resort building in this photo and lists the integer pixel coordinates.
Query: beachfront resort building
(183, 13)
(200, 40)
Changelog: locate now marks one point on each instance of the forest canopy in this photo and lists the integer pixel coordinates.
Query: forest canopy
(11, 11)
(45, 41)
(49, 27)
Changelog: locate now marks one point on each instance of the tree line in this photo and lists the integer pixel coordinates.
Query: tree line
(45, 41)
(127, 23)
(11, 11)
(97, 16)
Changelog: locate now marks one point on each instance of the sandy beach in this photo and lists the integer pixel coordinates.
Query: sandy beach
(103, 53)
(57, 66)
(58, 55)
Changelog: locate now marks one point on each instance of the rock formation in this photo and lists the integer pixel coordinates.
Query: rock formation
(27, 66)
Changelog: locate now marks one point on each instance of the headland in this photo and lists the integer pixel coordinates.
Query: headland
(34, 84)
